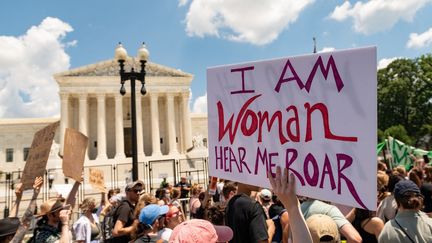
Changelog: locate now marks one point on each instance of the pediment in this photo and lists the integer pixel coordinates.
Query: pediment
(111, 68)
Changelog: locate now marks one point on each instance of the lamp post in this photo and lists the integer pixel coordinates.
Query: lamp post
(121, 56)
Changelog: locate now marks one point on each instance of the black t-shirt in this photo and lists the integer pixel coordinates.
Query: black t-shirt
(247, 219)
(183, 193)
(426, 191)
(124, 213)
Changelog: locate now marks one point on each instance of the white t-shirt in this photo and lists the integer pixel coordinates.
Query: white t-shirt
(165, 234)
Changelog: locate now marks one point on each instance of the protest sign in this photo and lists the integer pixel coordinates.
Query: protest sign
(314, 114)
(75, 146)
(96, 178)
(38, 155)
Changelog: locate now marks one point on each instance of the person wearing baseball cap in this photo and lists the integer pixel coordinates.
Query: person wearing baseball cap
(124, 214)
(323, 228)
(8, 228)
(410, 224)
(151, 224)
(200, 231)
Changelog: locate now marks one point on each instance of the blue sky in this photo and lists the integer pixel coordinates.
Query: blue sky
(38, 39)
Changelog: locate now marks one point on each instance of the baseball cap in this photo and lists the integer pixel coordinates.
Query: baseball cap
(131, 185)
(50, 206)
(322, 228)
(9, 226)
(266, 194)
(405, 186)
(198, 231)
(151, 212)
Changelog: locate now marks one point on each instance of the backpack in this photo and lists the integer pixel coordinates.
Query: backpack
(108, 224)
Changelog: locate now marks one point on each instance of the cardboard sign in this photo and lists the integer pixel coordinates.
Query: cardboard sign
(38, 155)
(213, 185)
(315, 115)
(75, 146)
(96, 178)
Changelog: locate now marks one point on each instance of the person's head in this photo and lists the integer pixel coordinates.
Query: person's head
(152, 217)
(183, 179)
(323, 228)
(175, 193)
(362, 214)
(407, 195)
(216, 214)
(416, 176)
(133, 190)
(88, 205)
(8, 228)
(50, 210)
(229, 190)
(265, 195)
(195, 190)
(382, 166)
(173, 217)
(113, 192)
(393, 179)
(198, 231)
(428, 173)
(401, 170)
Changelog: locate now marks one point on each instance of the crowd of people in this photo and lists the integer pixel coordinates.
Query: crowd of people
(234, 212)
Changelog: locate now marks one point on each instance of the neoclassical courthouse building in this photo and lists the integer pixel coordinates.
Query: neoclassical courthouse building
(91, 103)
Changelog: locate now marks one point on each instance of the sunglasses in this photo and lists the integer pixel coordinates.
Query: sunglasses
(137, 191)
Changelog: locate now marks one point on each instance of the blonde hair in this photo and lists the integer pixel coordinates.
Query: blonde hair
(87, 203)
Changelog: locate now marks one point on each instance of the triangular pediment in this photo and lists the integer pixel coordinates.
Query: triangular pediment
(111, 68)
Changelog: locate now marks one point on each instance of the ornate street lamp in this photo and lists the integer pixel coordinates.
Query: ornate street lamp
(121, 56)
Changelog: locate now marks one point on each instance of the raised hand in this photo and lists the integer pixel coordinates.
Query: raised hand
(284, 187)
(38, 182)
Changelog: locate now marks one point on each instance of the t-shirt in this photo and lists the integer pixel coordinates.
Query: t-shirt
(183, 192)
(311, 207)
(47, 234)
(124, 213)
(387, 208)
(247, 219)
(416, 224)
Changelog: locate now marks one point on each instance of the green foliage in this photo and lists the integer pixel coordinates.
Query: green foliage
(405, 98)
(399, 133)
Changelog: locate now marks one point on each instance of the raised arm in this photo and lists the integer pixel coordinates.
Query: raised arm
(72, 195)
(28, 215)
(284, 187)
(18, 194)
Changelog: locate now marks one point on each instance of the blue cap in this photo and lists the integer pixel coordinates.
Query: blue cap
(151, 212)
(405, 186)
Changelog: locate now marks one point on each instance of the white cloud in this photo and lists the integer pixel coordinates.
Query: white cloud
(378, 15)
(327, 49)
(383, 63)
(182, 2)
(420, 40)
(27, 88)
(200, 104)
(255, 22)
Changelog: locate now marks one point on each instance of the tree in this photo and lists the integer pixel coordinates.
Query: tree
(405, 95)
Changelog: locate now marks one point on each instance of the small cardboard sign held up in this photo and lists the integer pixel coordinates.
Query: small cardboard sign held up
(97, 180)
(38, 155)
(75, 146)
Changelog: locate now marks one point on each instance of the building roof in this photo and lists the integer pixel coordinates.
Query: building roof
(111, 68)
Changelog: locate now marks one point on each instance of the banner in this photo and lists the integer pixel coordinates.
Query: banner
(38, 155)
(315, 115)
(75, 146)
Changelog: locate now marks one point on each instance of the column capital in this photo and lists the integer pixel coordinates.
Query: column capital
(154, 95)
(185, 95)
(82, 96)
(100, 95)
(64, 95)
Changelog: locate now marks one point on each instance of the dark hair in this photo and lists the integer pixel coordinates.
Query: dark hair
(362, 214)
(416, 176)
(216, 214)
(112, 192)
(229, 187)
(410, 200)
(393, 179)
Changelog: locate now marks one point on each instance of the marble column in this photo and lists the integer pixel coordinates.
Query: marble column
(154, 116)
(139, 128)
(64, 119)
(82, 106)
(101, 130)
(119, 127)
(187, 134)
(172, 144)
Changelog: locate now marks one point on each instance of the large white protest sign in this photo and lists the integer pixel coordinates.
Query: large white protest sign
(315, 115)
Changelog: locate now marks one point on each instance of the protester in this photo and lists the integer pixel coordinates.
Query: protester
(87, 228)
(365, 222)
(410, 224)
(123, 216)
(265, 199)
(284, 188)
(387, 208)
(151, 224)
(313, 206)
(200, 231)
(106, 217)
(245, 217)
(174, 217)
(323, 229)
(194, 202)
(175, 195)
(426, 190)
(53, 225)
(280, 218)
(184, 187)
